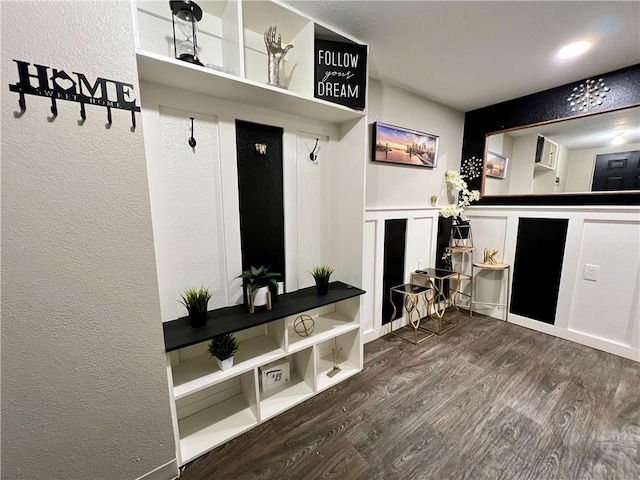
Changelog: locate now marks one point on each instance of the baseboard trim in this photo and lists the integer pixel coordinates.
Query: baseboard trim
(168, 471)
(577, 337)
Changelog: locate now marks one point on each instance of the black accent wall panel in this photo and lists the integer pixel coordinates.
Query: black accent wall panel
(538, 267)
(395, 233)
(260, 192)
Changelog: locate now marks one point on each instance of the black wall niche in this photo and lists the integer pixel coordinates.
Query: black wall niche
(260, 193)
(395, 233)
(548, 106)
(537, 267)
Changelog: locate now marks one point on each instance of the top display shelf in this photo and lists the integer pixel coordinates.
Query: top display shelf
(185, 76)
(231, 45)
(178, 333)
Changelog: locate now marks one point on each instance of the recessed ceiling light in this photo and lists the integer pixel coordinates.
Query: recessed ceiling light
(618, 140)
(574, 49)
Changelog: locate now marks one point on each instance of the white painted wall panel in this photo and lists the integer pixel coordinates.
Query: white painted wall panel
(369, 273)
(193, 235)
(608, 308)
(312, 206)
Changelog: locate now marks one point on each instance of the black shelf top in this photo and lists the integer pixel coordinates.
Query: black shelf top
(178, 333)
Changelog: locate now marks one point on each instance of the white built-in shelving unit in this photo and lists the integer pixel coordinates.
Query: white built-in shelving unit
(210, 406)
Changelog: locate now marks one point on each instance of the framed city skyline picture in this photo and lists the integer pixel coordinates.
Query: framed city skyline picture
(403, 146)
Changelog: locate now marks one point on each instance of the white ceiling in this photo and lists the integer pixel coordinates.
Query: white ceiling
(472, 54)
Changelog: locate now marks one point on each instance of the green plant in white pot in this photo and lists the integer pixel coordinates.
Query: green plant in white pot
(321, 275)
(258, 281)
(224, 347)
(196, 300)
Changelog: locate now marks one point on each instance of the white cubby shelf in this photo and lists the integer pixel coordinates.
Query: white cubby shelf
(214, 406)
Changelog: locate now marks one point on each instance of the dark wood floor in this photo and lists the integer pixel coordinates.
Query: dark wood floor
(489, 400)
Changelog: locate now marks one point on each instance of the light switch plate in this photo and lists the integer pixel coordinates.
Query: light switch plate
(592, 272)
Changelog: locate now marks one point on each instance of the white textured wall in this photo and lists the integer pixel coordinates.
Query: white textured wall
(581, 163)
(521, 164)
(84, 389)
(391, 185)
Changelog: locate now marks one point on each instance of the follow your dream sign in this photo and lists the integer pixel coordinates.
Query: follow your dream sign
(341, 73)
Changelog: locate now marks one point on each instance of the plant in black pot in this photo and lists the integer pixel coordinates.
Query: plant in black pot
(258, 282)
(196, 300)
(224, 347)
(321, 275)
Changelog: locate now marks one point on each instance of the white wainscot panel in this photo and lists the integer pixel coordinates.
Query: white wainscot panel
(488, 232)
(312, 207)
(418, 244)
(608, 308)
(191, 235)
(368, 301)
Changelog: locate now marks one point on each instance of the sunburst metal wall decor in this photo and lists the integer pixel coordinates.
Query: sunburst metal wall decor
(587, 94)
(471, 168)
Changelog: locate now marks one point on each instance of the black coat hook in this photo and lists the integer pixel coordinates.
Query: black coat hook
(192, 141)
(83, 114)
(313, 156)
(54, 107)
(109, 119)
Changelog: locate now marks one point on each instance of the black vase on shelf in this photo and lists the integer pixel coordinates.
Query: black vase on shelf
(198, 319)
(322, 286)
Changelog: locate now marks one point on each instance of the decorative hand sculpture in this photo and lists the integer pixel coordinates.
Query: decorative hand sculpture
(276, 53)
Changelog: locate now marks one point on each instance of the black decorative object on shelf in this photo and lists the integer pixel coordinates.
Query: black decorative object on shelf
(179, 334)
(341, 73)
(192, 141)
(186, 14)
(59, 85)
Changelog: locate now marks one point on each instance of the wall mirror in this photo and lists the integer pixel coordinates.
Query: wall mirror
(591, 153)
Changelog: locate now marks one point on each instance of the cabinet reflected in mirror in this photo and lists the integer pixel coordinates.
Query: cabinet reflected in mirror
(563, 156)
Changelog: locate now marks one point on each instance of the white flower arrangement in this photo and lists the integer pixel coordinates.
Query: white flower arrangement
(465, 197)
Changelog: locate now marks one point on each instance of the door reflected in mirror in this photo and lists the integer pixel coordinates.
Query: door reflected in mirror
(586, 154)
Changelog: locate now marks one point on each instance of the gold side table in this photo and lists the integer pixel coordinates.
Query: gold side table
(464, 252)
(439, 301)
(411, 296)
(497, 267)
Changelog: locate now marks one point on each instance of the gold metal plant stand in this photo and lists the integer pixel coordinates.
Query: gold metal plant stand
(438, 301)
(411, 295)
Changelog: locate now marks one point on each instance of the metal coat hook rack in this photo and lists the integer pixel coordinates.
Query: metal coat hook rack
(45, 83)
(313, 156)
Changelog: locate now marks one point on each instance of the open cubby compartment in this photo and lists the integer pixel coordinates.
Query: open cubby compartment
(216, 414)
(296, 70)
(218, 33)
(329, 321)
(193, 369)
(299, 388)
(349, 359)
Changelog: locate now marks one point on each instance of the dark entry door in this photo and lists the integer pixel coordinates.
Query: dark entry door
(617, 171)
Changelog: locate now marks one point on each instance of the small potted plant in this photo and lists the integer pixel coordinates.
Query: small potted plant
(224, 347)
(258, 281)
(321, 275)
(196, 300)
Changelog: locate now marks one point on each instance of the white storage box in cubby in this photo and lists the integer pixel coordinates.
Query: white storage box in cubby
(298, 389)
(274, 375)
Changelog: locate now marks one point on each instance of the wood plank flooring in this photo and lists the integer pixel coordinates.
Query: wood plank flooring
(488, 400)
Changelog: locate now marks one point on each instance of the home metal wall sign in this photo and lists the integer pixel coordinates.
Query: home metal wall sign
(57, 84)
